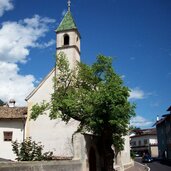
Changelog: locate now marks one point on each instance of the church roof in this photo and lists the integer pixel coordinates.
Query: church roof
(41, 83)
(67, 23)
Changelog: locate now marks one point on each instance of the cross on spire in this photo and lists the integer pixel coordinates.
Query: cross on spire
(69, 5)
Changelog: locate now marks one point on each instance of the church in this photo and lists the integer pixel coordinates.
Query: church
(56, 135)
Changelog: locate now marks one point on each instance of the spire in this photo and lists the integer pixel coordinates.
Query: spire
(69, 5)
(68, 22)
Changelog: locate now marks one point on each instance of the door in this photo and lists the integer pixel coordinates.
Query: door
(92, 160)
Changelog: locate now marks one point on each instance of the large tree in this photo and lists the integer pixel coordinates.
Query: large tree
(96, 97)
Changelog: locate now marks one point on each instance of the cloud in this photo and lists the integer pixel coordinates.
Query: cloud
(63, 12)
(132, 58)
(167, 51)
(137, 93)
(18, 37)
(46, 44)
(155, 104)
(16, 41)
(5, 5)
(13, 85)
(140, 121)
(169, 74)
(122, 76)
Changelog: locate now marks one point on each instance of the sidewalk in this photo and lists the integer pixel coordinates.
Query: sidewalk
(137, 167)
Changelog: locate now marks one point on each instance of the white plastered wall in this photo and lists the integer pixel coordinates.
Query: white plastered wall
(72, 51)
(125, 154)
(14, 126)
(55, 135)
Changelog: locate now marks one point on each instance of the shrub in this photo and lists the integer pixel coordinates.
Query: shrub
(132, 154)
(29, 150)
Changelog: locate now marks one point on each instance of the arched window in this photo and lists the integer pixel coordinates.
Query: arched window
(66, 39)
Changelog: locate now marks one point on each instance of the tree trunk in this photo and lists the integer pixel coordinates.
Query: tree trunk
(108, 153)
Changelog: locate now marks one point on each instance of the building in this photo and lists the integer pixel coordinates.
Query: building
(12, 126)
(145, 141)
(163, 127)
(56, 135)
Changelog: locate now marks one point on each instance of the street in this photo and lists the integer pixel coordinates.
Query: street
(156, 165)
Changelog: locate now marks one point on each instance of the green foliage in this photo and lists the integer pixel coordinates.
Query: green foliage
(132, 128)
(38, 109)
(94, 95)
(132, 153)
(118, 142)
(30, 151)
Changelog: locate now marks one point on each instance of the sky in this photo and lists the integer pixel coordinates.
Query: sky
(135, 33)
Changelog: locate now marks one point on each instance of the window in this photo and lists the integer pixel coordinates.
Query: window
(168, 128)
(162, 131)
(66, 39)
(145, 142)
(77, 39)
(139, 142)
(7, 136)
(134, 143)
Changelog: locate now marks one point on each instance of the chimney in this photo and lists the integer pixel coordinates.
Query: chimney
(157, 119)
(12, 103)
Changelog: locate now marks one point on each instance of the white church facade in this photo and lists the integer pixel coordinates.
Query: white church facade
(56, 135)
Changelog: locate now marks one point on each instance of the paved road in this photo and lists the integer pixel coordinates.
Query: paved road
(157, 166)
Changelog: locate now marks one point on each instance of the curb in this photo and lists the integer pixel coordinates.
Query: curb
(144, 165)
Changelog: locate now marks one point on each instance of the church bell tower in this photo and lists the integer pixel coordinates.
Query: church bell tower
(68, 38)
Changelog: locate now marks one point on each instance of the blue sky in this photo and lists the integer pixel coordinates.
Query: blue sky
(136, 33)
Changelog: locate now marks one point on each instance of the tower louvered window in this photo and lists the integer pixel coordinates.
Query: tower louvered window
(66, 39)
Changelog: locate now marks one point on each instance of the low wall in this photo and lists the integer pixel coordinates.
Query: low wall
(42, 166)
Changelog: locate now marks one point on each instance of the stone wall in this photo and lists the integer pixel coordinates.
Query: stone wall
(42, 166)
